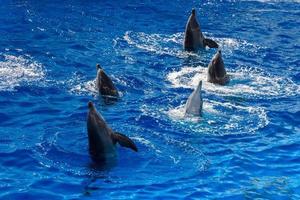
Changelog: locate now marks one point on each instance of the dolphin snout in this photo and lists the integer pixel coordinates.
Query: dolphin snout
(90, 105)
(98, 66)
(193, 11)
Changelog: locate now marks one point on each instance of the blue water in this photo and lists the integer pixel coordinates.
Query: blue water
(246, 145)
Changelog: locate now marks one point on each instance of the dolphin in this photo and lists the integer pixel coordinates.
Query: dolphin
(194, 103)
(216, 70)
(193, 37)
(104, 84)
(102, 139)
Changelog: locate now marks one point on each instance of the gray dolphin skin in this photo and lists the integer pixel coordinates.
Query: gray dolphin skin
(102, 139)
(194, 103)
(193, 37)
(104, 84)
(216, 70)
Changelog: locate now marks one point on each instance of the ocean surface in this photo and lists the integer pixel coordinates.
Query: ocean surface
(246, 145)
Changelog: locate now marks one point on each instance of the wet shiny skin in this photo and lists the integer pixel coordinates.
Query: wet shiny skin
(246, 146)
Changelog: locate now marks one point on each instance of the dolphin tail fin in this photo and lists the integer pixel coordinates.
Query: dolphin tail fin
(210, 43)
(124, 141)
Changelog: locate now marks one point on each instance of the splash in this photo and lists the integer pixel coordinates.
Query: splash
(222, 119)
(160, 44)
(88, 87)
(245, 82)
(171, 45)
(229, 45)
(15, 70)
(78, 86)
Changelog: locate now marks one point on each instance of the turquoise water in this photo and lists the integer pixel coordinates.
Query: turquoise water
(246, 146)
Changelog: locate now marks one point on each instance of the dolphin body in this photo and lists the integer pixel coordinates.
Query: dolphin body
(104, 84)
(102, 139)
(216, 70)
(193, 37)
(194, 103)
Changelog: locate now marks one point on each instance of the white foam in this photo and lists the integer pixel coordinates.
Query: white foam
(41, 29)
(147, 143)
(163, 44)
(79, 87)
(218, 118)
(88, 87)
(222, 118)
(245, 82)
(228, 45)
(17, 69)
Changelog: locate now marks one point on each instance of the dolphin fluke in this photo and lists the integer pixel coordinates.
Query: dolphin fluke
(193, 37)
(216, 70)
(124, 141)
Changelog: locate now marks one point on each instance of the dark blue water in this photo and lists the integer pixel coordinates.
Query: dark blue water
(246, 146)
